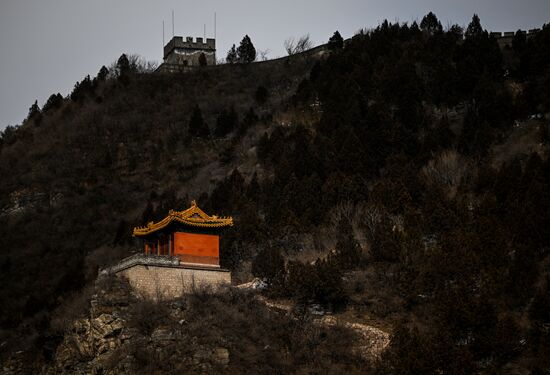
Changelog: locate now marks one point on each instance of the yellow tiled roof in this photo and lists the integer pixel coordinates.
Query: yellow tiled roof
(193, 216)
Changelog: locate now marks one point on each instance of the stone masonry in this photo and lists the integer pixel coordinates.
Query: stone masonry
(505, 39)
(182, 54)
(172, 281)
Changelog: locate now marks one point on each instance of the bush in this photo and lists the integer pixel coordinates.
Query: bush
(347, 248)
(197, 126)
(385, 246)
(227, 121)
(269, 265)
(447, 171)
(146, 315)
(318, 283)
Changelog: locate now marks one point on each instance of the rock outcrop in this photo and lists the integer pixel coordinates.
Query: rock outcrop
(234, 331)
(109, 341)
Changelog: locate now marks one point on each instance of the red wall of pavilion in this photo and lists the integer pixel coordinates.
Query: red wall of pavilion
(197, 248)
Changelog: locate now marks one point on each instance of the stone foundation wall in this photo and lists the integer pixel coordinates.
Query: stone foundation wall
(171, 282)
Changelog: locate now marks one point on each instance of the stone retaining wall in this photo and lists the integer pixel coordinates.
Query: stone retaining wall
(171, 282)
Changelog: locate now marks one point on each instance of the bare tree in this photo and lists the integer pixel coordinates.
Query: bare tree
(303, 43)
(368, 216)
(448, 170)
(263, 54)
(137, 63)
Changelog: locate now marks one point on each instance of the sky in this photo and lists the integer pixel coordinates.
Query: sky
(48, 45)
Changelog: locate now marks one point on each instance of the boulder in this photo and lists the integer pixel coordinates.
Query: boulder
(163, 336)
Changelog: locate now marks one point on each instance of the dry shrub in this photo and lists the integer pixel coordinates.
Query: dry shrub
(355, 214)
(293, 46)
(113, 284)
(342, 210)
(448, 171)
(365, 218)
(368, 216)
(146, 315)
(101, 258)
(356, 283)
(74, 307)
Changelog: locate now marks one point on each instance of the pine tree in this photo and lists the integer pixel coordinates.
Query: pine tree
(197, 126)
(123, 69)
(474, 28)
(227, 121)
(249, 120)
(246, 53)
(123, 65)
(329, 290)
(232, 55)
(302, 281)
(414, 29)
(348, 249)
(102, 74)
(34, 113)
(336, 41)
(202, 60)
(430, 24)
(269, 265)
(457, 32)
(81, 89)
(53, 102)
(34, 110)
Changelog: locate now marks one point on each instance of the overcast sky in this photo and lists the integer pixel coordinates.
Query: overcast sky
(48, 45)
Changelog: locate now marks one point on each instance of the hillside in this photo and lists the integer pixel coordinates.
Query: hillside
(200, 333)
(400, 179)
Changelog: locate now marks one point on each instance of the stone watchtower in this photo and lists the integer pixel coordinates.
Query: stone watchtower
(180, 54)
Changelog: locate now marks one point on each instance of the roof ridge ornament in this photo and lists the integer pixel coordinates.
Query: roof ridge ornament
(186, 217)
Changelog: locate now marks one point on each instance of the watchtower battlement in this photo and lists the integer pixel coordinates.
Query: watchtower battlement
(504, 39)
(200, 44)
(180, 53)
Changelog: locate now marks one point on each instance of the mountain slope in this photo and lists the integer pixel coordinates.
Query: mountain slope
(76, 179)
(401, 179)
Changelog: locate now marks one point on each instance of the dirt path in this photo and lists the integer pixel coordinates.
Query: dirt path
(373, 340)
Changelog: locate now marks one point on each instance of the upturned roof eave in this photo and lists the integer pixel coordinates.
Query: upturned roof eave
(186, 217)
(142, 232)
